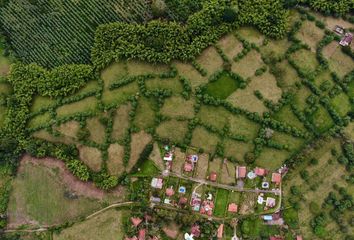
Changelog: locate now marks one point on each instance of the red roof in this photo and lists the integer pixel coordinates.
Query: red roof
(298, 237)
(276, 238)
(213, 176)
(142, 233)
(133, 238)
(232, 208)
(276, 178)
(260, 171)
(220, 231)
(136, 221)
(182, 201)
(188, 167)
(241, 172)
(169, 192)
(195, 230)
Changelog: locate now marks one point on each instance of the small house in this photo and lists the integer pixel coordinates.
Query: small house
(267, 217)
(182, 201)
(270, 202)
(232, 208)
(195, 230)
(220, 232)
(207, 208)
(213, 176)
(260, 199)
(155, 199)
(298, 237)
(241, 172)
(168, 157)
(339, 30)
(169, 192)
(346, 40)
(188, 167)
(276, 178)
(157, 183)
(142, 233)
(135, 221)
(260, 171)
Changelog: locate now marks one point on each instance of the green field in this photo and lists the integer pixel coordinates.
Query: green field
(223, 86)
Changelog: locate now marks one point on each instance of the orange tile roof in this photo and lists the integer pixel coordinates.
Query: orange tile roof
(232, 207)
(260, 171)
(188, 167)
(276, 178)
(220, 231)
(213, 176)
(241, 172)
(136, 221)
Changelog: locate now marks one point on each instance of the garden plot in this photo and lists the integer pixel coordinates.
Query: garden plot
(205, 140)
(240, 125)
(173, 130)
(305, 60)
(69, 129)
(286, 75)
(222, 197)
(97, 130)
(155, 156)
(40, 102)
(143, 68)
(275, 48)
(247, 66)
(236, 149)
(202, 166)
(120, 95)
(210, 60)
(108, 225)
(172, 84)
(228, 174)
(145, 114)
(341, 104)
(113, 73)
(138, 143)
(230, 46)
(86, 105)
(251, 35)
(310, 34)
(92, 157)
(271, 158)
(189, 72)
(287, 116)
(115, 163)
(217, 117)
(121, 122)
(177, 106)
(178, 161)
(37, 121)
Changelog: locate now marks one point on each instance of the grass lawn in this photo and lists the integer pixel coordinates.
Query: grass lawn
(306, 60)
(173, 130)
(251, 35)
(177, 106)
(240, 125)
(214, 116)
(222, 197)
(87, 104)
(40, 102)
(287, 116)
(107, 225)
(223, 86)
(145, 113)
(271, 158)
(138, 142)
(322, 120)
(341, 104)
(120, 95)
(204, 139)
(248, 65)
(39, 120)
(39, 196)
(210, 60)
(172, 84)
(147, 168)
(292, 142)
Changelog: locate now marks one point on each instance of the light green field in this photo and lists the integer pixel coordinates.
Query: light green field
(341, 104)
(145, 114)
(173, 130)
(214, 116)
(271, 158)
(87, 104)
(205, 140)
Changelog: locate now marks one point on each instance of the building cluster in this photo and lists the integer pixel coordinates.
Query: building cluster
(346, 37)
(138, 223)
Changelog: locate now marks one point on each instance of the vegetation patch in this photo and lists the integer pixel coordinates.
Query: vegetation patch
(341, 104)
(305, 60)
(230, 46)
(176, 106)
(91, 157)
(120, 95)
(223, 86)
(267, 86)
(285, 75)
(204, 140)
(340, 63)
(138, 143)
(275, 48)
(236, 149)
(240, 125)
(156, 157)
(172, 130)
(69, 129)
(114, 73)
(37, 121)
(121, 122)
(248, 65)
(178, 162)
(147, 169)
(206, 56)
(321, 119)
(143, 68)
(287, 116)
(228, 174)
(202, 167)
(40, 102)
(115, 163)
(85, 105)
(172, 84)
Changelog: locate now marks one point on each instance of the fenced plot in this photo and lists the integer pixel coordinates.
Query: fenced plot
(340, 63)
(91, 157)
(204, 139)
(322, 120)
(40, 102)
(247, 66)
(310, 34)
(97, 130)
(173, 130)
(85, 105)
(45, 135)
(267, 85)
(177, 106)
(121, 122)
(188, 71)
(293, 143)
(115, 162)
(275, 48)
(230, 46)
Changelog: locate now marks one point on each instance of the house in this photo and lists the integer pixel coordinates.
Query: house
(168, 157)
(220, 232)
(276, 238)
(132, 238)
(195, 202)
(188, 167)
(207, 208)
(136, 221)
(339, 30)
(156, 183)
(241, 172)
(260, 171)
(298, 237)
(182, 201)
(169, 192)
(346, 40)
(213, 176)
(195, 230)
(232, 208)
(155, 199)
(276, 178)
(142, 233)
(270, 202)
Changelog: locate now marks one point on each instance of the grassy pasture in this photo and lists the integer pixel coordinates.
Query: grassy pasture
(275, 48)
(108, 226)
(120, 95)
(202, 167)
(205, 60)
(97, 130)
(176, 106)
(205, 140)
(228, 173)
(341, 104)
(222, 87)
(41, 102)
(267, 85)
(147, 169)
(300, 97)
(45, 135)
(180, 158)
(251, 35)
(188, 71)
(310, 34)
(287, 75)
(240, 125)
(173, 130)
(230, 46)
(138, 143)
(121, 122)
(113, 73)
(172, 84)
(306, 60)
(38, 197)
(142, 68)
(145, 114)
(340, 63)
(324, 78)
(214, 116)
(286, 139)
(237, 149)
(271, 158)
(248, 65)
(349, 130)
(91, 157)
(39, 120)
(222, 197)
(115, 163)
(322, 120)
(287, 116)
(87, 104)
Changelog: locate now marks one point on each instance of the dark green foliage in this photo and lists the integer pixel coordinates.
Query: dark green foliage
(180, 10)
(229, 15)
(336, 7)
(222, 84)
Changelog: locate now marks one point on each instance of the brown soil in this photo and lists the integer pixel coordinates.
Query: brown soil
(91, 156)
(115, 163)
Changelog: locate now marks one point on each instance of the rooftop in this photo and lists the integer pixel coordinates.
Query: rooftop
(276, 178)
(241, 172)
(232, 208)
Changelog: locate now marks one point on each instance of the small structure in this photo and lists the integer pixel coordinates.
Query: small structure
(276, 178)
(220, 232)
(136, 221)
(260, 199)
(265, 185)
(260, 171)
(298, 237)
(168, 157)
(167, 201)
(210, 196)
(188, 236)
(213, 176)
(270, 202)
(188, 167)
(157, 183)
(155, 199)
(182, 189)
(142, 233)
(241, 172)
(195, 230)
(182, 201)
(195, 202)
(232, 208)
(169, 192)
(251, 175)
(339, 30)
(267, 217)
(193, 158)
(346, 40)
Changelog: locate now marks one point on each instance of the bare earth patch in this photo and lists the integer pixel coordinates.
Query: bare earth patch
(248, 203)
(138, 143)
(178, 161)
(202, 166)
(97, 130)
(91, 156)
(230, 46)
(69, 129)
(155, 156)
(210, 60)
(121, 122)
(115, 162)
(247, 66)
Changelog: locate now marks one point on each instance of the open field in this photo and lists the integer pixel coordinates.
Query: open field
(188, 71)
(223, 86)
(68, 129)
(87, 104)
(205, 140)
(340, 62)
(173, 130)
(341, 104)
(120, 95)
(275, 48)
(178, 107)
(240, 125)
(228, 173)
(305, 60)
(230, 46)
(272, 159)
(248, 65)
(287, 116)
(210, 66)
(237, 149)
(222, 196)
(172, 84)
(286, 75)
(155, 156)
(142, 68)
(113, 73)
